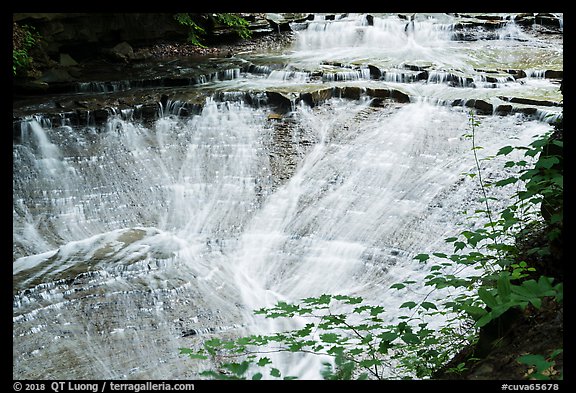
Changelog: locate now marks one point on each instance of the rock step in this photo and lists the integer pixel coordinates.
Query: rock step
(148, 108)
(61, 83)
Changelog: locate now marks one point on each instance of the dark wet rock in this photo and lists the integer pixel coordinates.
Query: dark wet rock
(393, 94)
(350, 92)
(122, 52)
(547, 19)
(317, 97)
(532, 20)
(32, 87)
(370, 20)
(375, 72)
(257, 24)
(502, 110)
(482, 107)
(530, 111)
(517, 74)
(524, 19)
(147, 112)
(554, 74)
(283, 102)
(285, 152)
(490, 17)
(282, 22)
(56, 75)
(529, 101)
(67, 61)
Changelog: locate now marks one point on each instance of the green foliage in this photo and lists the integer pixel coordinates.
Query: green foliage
(195, 31)
(24, 38)
(345, 328)
(364, 343)
(541, 367)
(199, 25)
(507, 295)
(239, 24)
(491, 250)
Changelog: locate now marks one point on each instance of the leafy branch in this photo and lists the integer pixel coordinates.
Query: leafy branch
(201, 25)
(24, 38)
(358, 337)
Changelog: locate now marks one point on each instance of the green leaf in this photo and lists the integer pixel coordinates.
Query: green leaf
(505, 150)
(329, 337)
(540, 142)
(376, 310)
(503, 286)
(388, 336)
(410, 338)
(409, 305)
(197, 356)
(538, 361)
(504, 182)
(487, 298)
(521, 291)
(384, 346)
(547, 162)
(422, 257)
(536, 302)
(459, 246)
(361, 309)
(275, 372)
(396, 286)
(264, 361)
(295, 347)
(218, 376)
(428, 305)
(474, 312)
(213, 342)
(321, 300)
(237, 368)
(336, 351)
(257, 377)
(370, 363)
(349, 299)
(367, 339)
(556, 352)
(192, 354)
(545, 282)
(484, 320)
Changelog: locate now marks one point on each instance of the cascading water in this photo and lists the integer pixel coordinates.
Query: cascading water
(134, 242)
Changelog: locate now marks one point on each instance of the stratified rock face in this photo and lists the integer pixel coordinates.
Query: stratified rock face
(84, 34)
(77, 33)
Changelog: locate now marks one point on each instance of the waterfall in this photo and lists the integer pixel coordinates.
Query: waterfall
(135, 241)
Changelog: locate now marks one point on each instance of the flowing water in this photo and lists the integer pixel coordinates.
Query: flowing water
(131, 243)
